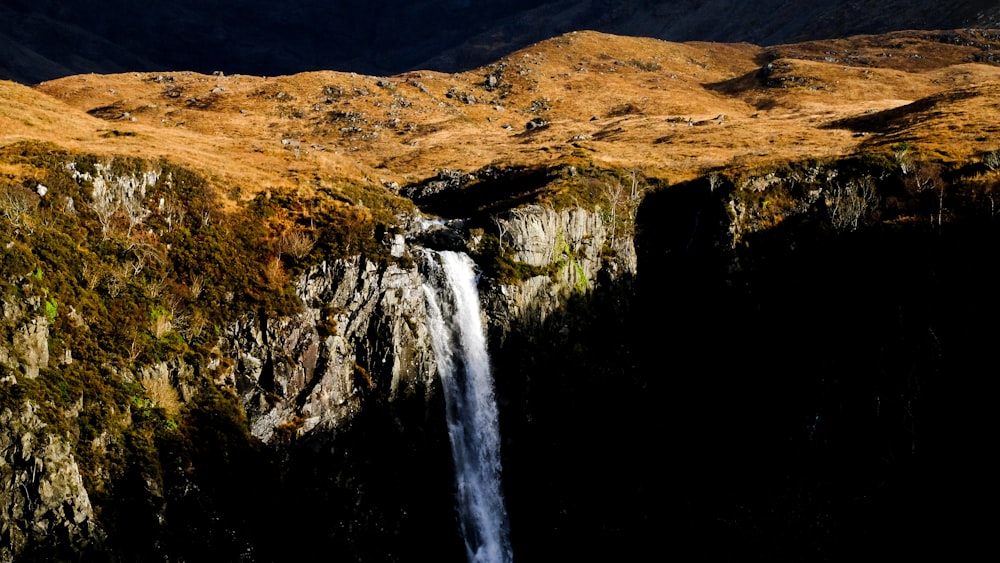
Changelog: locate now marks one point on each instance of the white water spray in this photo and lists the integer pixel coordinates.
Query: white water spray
(464, 367)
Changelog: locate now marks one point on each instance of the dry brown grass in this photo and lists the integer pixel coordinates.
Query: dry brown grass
(163, 395)
(630, 102)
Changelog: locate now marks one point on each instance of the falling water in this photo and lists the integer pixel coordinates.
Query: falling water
(464, 367)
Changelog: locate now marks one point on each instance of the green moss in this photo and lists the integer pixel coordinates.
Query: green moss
(499, 263)
(51, 310)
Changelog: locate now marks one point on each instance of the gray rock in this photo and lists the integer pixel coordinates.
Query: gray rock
(42, 498)
(363, 330)
(536, 124)
(575, 240)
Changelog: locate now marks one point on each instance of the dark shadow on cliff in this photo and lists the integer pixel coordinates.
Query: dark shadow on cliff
(452, 193)
(808, 395)
(578, 429)
(379, 489)
(822, 393)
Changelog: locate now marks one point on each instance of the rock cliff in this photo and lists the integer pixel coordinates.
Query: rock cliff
(356, 345)
(362, 330)
(576, 246)
(363, 327)
(46, 509)
(336, 400)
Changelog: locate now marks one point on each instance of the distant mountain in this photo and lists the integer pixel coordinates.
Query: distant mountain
(45, 39)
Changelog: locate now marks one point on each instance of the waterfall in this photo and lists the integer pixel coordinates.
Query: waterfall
(471, 412)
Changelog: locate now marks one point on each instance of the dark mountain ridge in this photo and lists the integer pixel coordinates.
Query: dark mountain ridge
(49, 39)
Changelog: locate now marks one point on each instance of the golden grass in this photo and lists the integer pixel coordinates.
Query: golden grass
(627, 102)
(163, 395)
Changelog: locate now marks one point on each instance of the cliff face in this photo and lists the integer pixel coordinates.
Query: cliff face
(348, 388)
(44, 498)
(350, 372)
(576, 245)
(363, 328)
(29, 338)
(46, 506)
(808, 317)
(819, 306)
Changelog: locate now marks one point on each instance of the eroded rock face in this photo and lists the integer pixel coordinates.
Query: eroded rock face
(30, 337)
(43, 503)
(360, 343)
(362, 330)
(575, 243)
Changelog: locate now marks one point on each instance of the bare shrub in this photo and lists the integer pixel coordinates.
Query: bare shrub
(134, 349)
(116, 280)
(92, 275)
(992, 160)
(154, 289)
(715, 181)
(173, 213)
(850, 203)
(927, 178)
(274, 272)
(195, 325)
(17, 205)
(135, 213)
(297, 243)
(623, 203)
(196, 286)
(904, 157)
(134, 266)
(163, 395)
(105, 209)
(501, 229)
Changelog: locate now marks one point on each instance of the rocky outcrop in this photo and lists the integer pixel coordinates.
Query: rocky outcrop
(574, 244)
(358, 345)
(44, 507)
(29, 338)
(362, 331)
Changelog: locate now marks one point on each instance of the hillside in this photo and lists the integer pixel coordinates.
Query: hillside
(47, 39)
(763, 271)
(671, 110)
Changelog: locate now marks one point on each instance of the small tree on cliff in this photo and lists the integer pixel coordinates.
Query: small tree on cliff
(926, 179)
(847, 204)
(623, 204)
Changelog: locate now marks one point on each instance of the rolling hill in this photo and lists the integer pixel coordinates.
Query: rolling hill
(673, 110)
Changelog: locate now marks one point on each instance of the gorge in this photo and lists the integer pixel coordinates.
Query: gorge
(737, 304)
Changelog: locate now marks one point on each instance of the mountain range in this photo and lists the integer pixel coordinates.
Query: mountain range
(47, 39)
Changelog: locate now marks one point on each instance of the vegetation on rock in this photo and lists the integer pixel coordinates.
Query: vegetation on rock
(828, 173)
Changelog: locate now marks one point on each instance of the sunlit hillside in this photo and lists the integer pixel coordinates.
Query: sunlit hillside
(670, 110)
